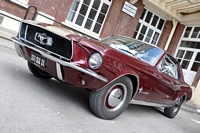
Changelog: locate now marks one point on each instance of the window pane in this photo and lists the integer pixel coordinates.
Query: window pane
(189, 44)
(96, 4)
(187, 31)
(198, 45)
(142, 32)
(155, 20)
(185, 64)
(100, 18)
(87, 2)
(155, 38)
(180, 53)
(149, 34)
(144, 28)
(74, 5)
(185, 44)
(72, 11)
(92, 14)
(104, 8)
(195, 66)
(143, 13)
(193, 44)
(79, 20)
(197, 57)
(88, 24)
(195, 32)
(70, 16)
(188, 55)
(97, 28)
(161, 23)
(83, 10)
(148, 17)
(135, 34)
(138, 26)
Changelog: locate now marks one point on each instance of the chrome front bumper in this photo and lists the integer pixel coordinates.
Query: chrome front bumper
(59, 62)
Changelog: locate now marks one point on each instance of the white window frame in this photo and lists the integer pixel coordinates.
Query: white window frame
(81, 28)
(23, 3)
(149, 26)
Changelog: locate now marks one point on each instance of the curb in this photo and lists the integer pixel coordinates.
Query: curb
(191, 107)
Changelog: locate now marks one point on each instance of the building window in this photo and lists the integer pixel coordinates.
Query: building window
(88, 14)
(23, 1)
(188, 52)
(149, 27)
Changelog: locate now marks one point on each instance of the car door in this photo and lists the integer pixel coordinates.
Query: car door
(167, 82)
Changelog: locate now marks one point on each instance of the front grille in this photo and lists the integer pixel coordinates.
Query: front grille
(60, 47)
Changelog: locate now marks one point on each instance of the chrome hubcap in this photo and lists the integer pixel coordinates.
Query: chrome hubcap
(115, 97)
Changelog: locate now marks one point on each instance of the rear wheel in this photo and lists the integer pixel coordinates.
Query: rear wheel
(112, 100)
(172, 111)
(38, 72)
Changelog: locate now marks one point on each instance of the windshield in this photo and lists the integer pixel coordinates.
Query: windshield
(131, 47)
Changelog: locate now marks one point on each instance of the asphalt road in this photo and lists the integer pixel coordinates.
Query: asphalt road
(32, 105)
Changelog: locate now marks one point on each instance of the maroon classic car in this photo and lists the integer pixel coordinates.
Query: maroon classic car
(118, 70)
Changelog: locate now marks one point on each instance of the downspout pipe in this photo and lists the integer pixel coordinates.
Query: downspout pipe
(174, 24)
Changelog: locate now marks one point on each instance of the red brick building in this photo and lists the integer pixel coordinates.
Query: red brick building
(173, 25)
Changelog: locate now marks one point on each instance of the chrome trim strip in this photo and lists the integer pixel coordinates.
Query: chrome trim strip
(18, 50)
(61, 62)
(59, 72)
(137, 102)
(25, 32)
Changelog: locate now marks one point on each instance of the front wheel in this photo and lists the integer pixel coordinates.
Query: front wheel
(38, 72)
(109, 102)
(172, 111)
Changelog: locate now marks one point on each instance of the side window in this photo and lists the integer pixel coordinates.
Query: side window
(169, 66)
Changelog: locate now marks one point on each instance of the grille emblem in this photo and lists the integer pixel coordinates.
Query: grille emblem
(43, 39)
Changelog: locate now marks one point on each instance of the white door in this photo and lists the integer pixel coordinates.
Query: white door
(189, 59)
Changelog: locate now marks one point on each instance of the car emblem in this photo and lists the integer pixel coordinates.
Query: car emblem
(43, 39)
(142, 92)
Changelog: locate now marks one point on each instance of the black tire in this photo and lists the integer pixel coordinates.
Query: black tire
(38, 72)
(172, 111)
(109, 102)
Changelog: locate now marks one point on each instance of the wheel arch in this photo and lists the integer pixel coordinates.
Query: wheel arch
(184, 97)
(135, 83)
(134, 80)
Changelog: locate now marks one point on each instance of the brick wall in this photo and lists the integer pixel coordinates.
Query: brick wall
(63, 10)
(9, 7)
(118, 22)
(165, 34)
(176, 38)
(197, 78)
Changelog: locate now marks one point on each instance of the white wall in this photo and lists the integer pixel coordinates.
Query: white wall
(10, 23)
(196, 95)
(43, 19)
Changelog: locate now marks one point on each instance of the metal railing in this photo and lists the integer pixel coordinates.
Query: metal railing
(10, 17)
(36, 12)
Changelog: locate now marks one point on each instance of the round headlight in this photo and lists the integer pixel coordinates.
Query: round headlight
(95, 61)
